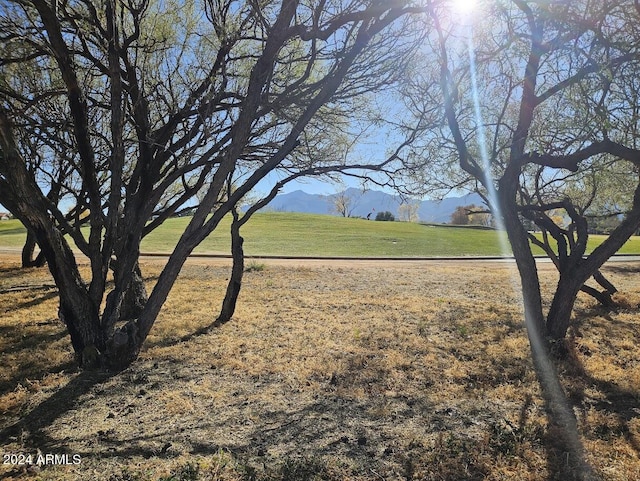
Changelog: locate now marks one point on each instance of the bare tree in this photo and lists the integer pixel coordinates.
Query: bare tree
(344, 202)
(408, 211)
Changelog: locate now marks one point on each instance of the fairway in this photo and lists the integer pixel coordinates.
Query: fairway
(295, 234)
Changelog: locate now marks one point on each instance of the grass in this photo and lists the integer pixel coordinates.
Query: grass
(12, 233)
(321, 235)
(325, 373)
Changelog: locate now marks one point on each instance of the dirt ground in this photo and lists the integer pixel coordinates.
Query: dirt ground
(329, 370)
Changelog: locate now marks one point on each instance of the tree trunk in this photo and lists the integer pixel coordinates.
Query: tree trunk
(559, 411)
(235, 282)
(604, 298)
(570, 283)
(526, 263)
(124, 342)
(125, 304)
(28, 250)
(559, 315)
(135, 296)
(77, 310)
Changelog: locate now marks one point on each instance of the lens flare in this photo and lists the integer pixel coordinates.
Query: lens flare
(464, 7)
(555, 396)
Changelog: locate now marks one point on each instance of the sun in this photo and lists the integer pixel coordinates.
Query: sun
(464, 7)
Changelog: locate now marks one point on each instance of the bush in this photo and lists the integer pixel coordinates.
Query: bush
(254, 266)
(385, 216)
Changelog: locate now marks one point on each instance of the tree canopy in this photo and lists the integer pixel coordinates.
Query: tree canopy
(534, 105)
(128, 111)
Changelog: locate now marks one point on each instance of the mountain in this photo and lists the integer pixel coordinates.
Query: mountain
(370, 201)
(440, 211)
(300, 201)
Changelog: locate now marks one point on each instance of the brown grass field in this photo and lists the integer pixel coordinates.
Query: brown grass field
(328, 371)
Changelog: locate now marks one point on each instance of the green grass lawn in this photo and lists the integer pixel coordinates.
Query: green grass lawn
(12, 233)
(278, 233)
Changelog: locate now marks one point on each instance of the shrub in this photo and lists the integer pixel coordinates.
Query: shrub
(254, 266)
(385, 216)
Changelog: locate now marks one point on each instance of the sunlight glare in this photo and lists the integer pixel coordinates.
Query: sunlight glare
(464, 7)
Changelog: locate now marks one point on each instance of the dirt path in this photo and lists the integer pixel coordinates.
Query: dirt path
(223, 260)
(381, 263)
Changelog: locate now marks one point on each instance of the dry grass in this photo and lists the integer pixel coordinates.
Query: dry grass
(327, 372)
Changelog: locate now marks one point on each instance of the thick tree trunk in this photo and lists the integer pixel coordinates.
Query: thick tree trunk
(124, 343)
(135, 296)
(570, 283)
(559, 315)
(124, 304)
(526, 263)
(77, 310)
(237, 271)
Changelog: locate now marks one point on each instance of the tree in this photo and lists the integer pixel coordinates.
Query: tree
(408, 212)
(344, 203)
(385, 216)
(158, 100)
(549, 96)
(471, 214)
(460, 216)
(530, 127)
(480, 216)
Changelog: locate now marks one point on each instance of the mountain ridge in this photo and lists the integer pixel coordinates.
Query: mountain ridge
(362, 203)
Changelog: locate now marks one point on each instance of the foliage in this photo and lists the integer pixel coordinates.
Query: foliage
(385, 216)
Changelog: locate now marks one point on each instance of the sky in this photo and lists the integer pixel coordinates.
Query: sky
(375, 148)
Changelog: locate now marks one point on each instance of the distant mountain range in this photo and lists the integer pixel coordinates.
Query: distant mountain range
(370, 201)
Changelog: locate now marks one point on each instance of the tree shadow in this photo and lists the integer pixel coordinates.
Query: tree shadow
(622, 403)
(22, 339)
(170, 342)
(7, 273)
(30, 429)
(29, 368)
(35, 302)
(561, 465)
(626, 269)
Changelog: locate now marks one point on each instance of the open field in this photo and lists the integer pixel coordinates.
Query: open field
(361, 372)
(279, 233)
